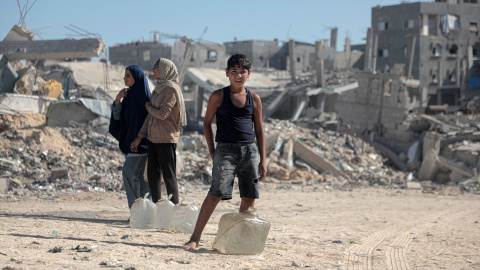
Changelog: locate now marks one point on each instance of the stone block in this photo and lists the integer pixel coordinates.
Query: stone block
(429, 166)
(59, 172)
(3, 186)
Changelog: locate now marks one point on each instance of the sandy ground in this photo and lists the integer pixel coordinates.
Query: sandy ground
(312, 227)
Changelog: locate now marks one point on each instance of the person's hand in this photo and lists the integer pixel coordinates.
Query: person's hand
(134, 144)
(262, 171)
(148, 104)
(120, 95)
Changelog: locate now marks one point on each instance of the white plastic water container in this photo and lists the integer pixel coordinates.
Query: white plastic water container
(241, 233)
(184, 217)
(164, 214)
(142, 214)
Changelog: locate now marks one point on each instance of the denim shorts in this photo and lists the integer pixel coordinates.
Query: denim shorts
(235, 159)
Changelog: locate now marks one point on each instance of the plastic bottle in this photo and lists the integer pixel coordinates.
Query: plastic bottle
(142, 214)
(164, 213)
(241, 233)
(184, 217)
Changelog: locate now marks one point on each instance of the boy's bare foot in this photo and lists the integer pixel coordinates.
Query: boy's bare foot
(190, 245)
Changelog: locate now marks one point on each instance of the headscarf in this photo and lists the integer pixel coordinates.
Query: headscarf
(169, 77)
(133, 112)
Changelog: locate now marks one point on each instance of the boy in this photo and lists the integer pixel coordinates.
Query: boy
(239, 123)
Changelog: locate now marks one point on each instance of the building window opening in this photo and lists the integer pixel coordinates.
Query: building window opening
(388, 87)
(452, 51)
(434, 79)
(383, 53)
(452, 77)
(382, 26)
(261, 58)
(212, 56)
(437, 50)
(405, 50)
(473, 27)
(146, 55)
(448, 23)
(408, 24)
(299, 59)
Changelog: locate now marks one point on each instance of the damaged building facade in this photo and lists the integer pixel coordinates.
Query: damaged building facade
(275, 54)
(438, 43)
(144, 54)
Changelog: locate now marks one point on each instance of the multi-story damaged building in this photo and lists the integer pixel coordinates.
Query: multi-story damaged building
(274, 54)
(145, 53)
(437, 41)
(142, 53)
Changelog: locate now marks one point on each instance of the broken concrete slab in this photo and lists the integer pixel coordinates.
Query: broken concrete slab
(460, 168)
(59, 172)
(392, 156)
(3, 186)
(8, 76)
(429, 166)
(19, 33)
(413, 185)
(287, 153)
(316, 161)
(77, 112)
(15, 103)
(431, 141)
(443, 127)
(270, 142)
(52, 49)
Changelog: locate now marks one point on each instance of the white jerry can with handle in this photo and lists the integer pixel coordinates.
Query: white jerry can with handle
(164, 213)
(241, 233)
(184, 217)
(142, 214)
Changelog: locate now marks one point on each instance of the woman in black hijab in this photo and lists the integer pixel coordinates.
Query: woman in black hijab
(128, 115)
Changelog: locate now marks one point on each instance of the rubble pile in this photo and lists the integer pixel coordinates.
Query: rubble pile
(38, 160)
(365, 169)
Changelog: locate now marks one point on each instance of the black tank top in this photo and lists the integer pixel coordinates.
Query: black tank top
(235, 124)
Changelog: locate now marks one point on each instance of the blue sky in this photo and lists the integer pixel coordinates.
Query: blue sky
(121, 21)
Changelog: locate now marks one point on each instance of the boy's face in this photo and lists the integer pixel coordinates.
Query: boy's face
(237, 75)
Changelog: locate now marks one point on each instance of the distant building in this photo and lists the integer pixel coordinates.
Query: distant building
(438, 43)
(304, 57)
(208, 55)
(258, 51)
(274, 54)
(142, 53)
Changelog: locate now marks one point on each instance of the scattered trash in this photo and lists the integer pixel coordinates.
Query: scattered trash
(111, 234)
(337, 241)
(112, 263)
(80, 249)
(85, 188)
(297, 264)
(126, 236)
(55, 250)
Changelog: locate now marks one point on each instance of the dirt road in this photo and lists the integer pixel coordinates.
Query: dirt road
(312, 227)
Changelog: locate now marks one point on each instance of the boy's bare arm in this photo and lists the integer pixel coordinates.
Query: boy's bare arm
(213, 102)
(260, 135)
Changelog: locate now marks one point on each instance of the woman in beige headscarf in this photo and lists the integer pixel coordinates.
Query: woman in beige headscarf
(166, 113)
